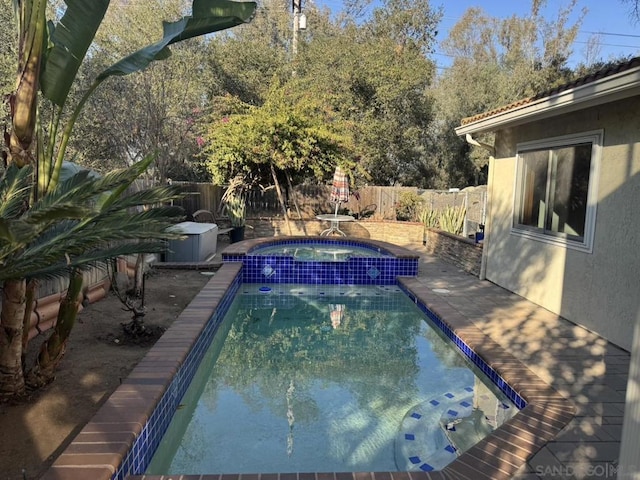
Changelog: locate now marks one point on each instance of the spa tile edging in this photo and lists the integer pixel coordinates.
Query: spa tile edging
(127, 429)
(134, 418)
(274, 269)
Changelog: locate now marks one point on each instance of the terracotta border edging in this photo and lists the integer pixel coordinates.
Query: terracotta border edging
(246, 246)
(101, 447)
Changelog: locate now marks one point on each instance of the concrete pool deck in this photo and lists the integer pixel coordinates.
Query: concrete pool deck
(582, 367)
(579, 364)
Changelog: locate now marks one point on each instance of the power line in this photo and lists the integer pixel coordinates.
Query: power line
(613, 34)
(610, 33)
(609, 44)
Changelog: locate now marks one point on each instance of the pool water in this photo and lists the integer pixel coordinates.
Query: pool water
(304, 378)
(319, 252)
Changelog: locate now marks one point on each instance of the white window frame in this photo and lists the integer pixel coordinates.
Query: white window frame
(538, 234)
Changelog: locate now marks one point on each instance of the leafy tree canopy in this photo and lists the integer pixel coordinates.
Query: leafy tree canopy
(496, 61)
(247, 140)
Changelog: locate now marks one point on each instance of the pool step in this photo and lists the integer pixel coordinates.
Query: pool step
(433, 433)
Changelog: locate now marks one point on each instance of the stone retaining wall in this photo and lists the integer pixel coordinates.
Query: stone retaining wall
(404, 234)
(462, 252)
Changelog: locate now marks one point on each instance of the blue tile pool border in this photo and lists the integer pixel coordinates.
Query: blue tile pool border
(139, 457)
(467, 351)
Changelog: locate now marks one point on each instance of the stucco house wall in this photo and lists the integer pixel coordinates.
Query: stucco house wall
(600, 289)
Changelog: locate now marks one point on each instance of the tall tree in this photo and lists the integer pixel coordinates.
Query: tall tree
(371, 75)
(634, 8)
(246, 63)
(380, 87)
(532, 50)
(408, 23)
(496, 61)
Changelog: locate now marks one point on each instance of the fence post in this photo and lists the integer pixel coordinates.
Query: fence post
(465, 204)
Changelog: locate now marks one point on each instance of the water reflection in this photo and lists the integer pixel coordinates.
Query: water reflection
(316, 382)
(336, 314)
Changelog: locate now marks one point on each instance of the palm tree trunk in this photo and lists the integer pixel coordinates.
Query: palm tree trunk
(52, 350)
(24, 101)
(11, 318)
(30, 300)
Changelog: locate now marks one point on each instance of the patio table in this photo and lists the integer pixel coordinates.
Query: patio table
(335, 223)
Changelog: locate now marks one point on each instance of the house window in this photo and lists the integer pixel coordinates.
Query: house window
(555, 194)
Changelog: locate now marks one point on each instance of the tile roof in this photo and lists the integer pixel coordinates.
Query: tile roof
(584, 80)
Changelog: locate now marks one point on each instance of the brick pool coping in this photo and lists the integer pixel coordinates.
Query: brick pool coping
(245, 247)
(98, 451)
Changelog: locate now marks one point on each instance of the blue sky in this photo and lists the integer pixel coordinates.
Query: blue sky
(619, 35)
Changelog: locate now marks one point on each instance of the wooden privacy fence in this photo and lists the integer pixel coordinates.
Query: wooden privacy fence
(374, 202)
(377, 203)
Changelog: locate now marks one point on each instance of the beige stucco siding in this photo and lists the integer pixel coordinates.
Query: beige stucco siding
(600, 290)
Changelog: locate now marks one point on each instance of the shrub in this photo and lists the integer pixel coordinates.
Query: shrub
(452, 219)
(429, 218)
(409, 206)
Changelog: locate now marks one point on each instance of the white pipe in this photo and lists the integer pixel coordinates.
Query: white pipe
(485, 243)
(487, 224)
(472, 141)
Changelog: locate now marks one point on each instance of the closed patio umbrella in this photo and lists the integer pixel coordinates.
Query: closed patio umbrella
(340, 188)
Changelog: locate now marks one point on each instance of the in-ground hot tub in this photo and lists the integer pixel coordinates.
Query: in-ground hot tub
(317, 251)
(322, 260)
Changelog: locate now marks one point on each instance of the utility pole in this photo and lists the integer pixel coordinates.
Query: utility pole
(296, 26)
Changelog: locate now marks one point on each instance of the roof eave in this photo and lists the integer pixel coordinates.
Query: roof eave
(608, 89)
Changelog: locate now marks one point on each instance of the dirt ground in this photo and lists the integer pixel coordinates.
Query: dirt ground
(34, 433)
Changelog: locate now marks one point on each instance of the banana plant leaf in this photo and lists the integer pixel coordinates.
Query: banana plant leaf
(72, 36)
(70, 40)
(208, 16)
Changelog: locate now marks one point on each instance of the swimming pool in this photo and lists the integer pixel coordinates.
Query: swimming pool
(120, 439)
(328, 378)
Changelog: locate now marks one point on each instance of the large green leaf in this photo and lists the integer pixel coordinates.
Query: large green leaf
(15, 188)
(73, 35)
(208, 16)
(57, 233)
(5, 231)
(71, 39)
